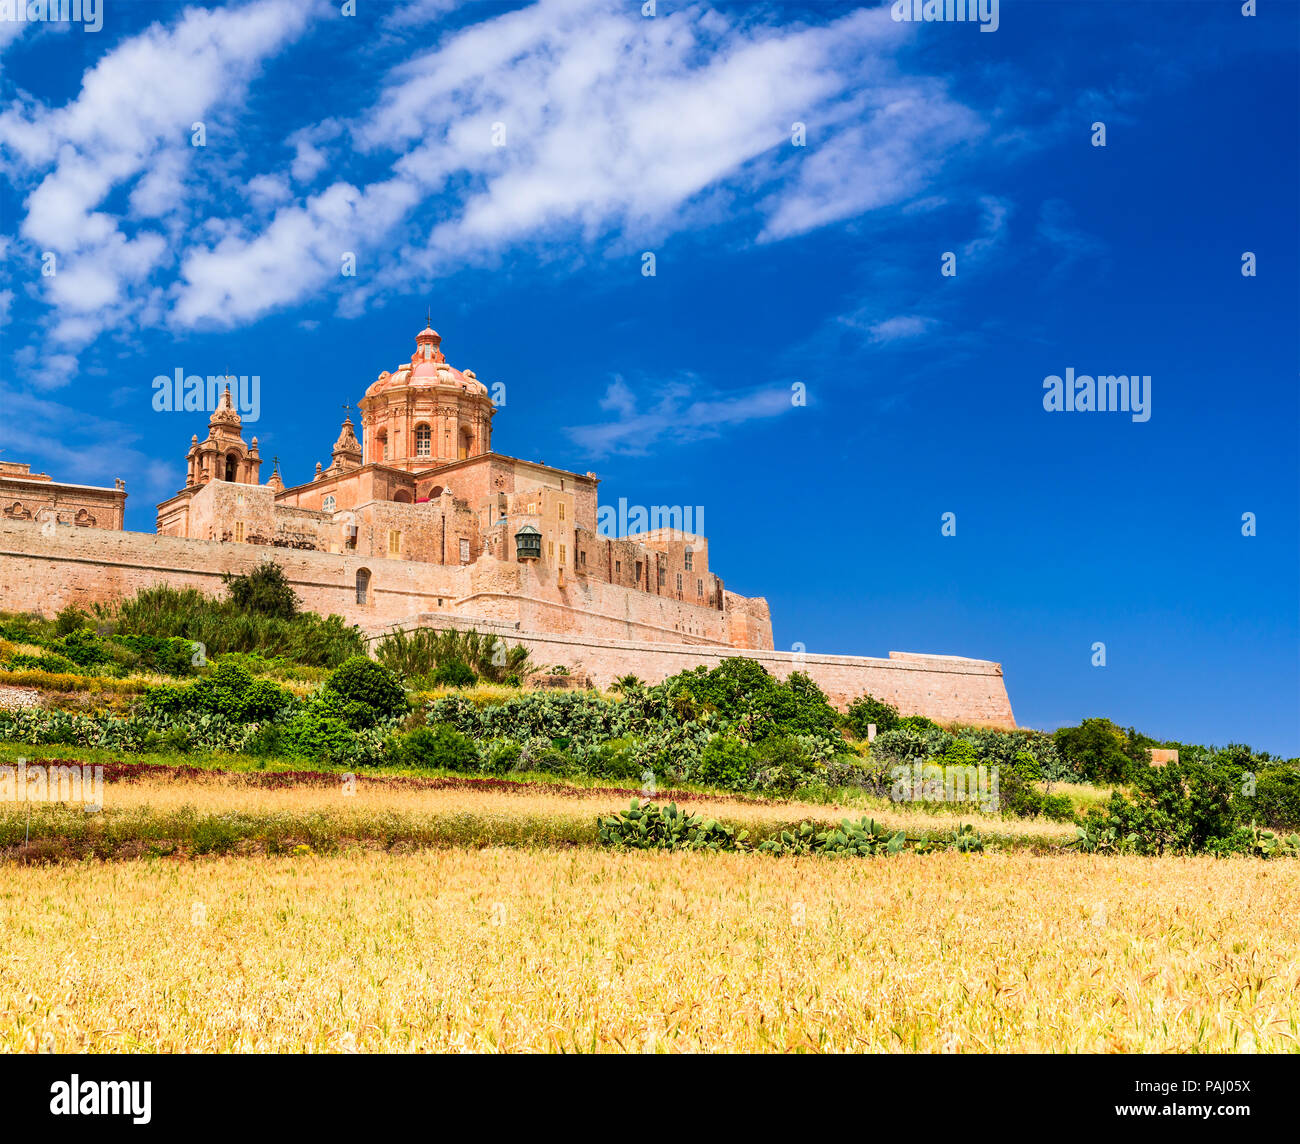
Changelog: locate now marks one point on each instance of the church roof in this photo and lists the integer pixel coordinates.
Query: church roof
(428, 368)
(225, 412)
(347, 441)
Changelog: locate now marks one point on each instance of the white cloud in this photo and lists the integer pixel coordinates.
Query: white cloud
(415, 13)
(129, 128)
(1058, 229)
(238, 280)
(993, 226)
(901, 328)
(681, 412)
(268, 190)
(619, 131)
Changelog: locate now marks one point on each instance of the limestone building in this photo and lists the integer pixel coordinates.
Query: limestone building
(25, 495)
(511, 539)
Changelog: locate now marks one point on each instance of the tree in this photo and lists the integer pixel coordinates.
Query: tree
(1101, 751)
(265, 591)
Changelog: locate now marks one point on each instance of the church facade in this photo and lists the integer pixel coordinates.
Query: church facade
(500, 538)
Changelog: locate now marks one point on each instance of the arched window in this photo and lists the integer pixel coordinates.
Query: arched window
(232, 466)
(402, 496)
(383, 446)
(423, 441)
(466, 440)
(328, 503)
(363, 585)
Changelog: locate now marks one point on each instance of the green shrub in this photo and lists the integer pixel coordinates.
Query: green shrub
(1101, 752)
(742, 693)
(220, 626)
(551, 760)
(372, 686)
(866, 710)
(424, 652)
(1180, 808)
(783, 766)
(265, 591)
(502, 757)
(960, 753)
(1017, 793)
(164, 655)
(439, 746)
(269, 739)
(84, 648)
(651, 827)
(615, 761)
(174, 740)
(728, 763)
(228, 691)
(43, 662)
(453, 673)
(314, 734)
(1057, 807)
(69, 620)
(1276, 801)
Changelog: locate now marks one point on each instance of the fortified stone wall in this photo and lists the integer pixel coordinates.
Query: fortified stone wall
(46, 573)
(948, 689)
(590, 626)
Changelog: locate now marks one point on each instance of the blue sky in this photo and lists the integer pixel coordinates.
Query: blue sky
(776, 264)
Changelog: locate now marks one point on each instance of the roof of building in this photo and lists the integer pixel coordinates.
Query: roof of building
(427, 368)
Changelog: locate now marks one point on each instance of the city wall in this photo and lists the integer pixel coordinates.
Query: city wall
(948, 689)
(590, 626)
(47, 569)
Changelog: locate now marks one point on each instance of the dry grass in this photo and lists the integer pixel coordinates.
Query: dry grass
(1083, 795)
(229, 812)
(536, 950)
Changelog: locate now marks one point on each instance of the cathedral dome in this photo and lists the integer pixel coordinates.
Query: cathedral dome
(428, 368)
(426, 411)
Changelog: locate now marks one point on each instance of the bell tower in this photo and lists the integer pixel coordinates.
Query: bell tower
(223, 456)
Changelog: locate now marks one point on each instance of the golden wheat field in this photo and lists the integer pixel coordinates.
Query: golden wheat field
(580, 950)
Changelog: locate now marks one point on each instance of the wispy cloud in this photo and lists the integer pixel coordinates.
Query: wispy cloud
(679, 413)
(129, 127)
(560, 125)
(80, 446)
(902, 328)
(1068, 243)
(994, 213)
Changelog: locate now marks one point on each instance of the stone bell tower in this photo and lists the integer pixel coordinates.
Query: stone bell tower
(223, 456)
